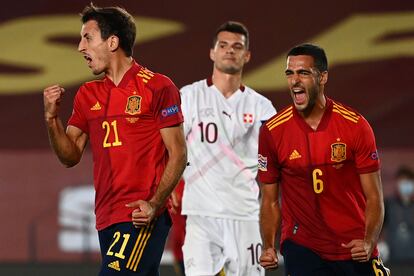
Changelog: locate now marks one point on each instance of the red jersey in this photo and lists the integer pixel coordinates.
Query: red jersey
(322, 201)
(123, 123)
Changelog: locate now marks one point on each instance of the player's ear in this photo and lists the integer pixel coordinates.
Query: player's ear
(212, 54)
(113, 42)
(324, 78)
(247, 56)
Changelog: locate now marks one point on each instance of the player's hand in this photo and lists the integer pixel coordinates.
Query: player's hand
(143, 212)
(360, 250)
(52, 96)
(175, 203)
(268, 259)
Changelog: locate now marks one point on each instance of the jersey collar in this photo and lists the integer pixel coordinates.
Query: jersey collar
(129, 75)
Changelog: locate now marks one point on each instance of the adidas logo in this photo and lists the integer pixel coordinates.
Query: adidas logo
(97, 106)
(115, 265)
(294, 155)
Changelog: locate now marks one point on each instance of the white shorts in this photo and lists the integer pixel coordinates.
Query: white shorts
(215, 244)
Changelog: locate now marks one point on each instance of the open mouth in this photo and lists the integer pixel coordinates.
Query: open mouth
(88, 59)
(299, 95)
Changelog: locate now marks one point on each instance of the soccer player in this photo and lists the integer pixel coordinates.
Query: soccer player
(222, 121)
(322, 157)
(132, 119)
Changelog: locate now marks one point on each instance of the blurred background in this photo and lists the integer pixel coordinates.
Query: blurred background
(46, 211)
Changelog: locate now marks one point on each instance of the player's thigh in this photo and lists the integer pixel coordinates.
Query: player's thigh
(248, 243)
(202, 249)
(135, 251)
(299, 260)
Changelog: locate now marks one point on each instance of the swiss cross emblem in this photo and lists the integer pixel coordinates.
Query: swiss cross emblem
(248, 118)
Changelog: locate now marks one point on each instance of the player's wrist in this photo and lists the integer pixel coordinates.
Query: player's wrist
(50, 117)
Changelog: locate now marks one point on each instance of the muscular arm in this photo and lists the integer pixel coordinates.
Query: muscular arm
(174, 141)
(144, 211)
(68, 145)
(269, 223)
(374, 211)
(361, 249)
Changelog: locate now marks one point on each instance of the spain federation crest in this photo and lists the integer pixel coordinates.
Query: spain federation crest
(133, 105)
(338, 152)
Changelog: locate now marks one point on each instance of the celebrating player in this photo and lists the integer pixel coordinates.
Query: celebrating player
(133, 121)
(322, 156)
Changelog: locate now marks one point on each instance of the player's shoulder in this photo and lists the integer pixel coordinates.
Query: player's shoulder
(93, 83)
(346, 113)
(250, 92)
(90, 86)
(154, 80)
(193, 88)
(279, 119)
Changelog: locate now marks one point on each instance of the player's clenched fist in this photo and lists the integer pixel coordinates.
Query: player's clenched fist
(269, 259)
(52, 97)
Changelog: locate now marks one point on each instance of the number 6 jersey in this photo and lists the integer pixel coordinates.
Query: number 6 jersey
(323, 204)
(222, 143)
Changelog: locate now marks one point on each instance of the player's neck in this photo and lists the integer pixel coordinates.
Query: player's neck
(314, 116)
(227, 84)
(118, 67)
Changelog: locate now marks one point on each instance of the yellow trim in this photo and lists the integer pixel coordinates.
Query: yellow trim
(279, 115)
(143, 247)
(349, 117)
(280, 122)
(345, 110)
(135, 247)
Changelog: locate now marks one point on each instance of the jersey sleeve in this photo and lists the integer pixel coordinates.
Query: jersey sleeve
(366, 154)
(267, 158)
(186, 108)
(167, 104)
(267, 109)
(78, 118)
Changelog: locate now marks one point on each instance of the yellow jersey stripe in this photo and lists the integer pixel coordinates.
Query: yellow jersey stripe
(356, 117)
(345, 110)
(280, 122)
(279, 115)
(353, 119)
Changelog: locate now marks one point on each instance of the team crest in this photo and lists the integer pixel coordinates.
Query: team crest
(338, 153)
(133, 105)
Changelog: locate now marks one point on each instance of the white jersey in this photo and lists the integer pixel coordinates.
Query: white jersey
(222, 142)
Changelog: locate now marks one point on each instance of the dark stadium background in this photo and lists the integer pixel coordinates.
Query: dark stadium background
(370, 45)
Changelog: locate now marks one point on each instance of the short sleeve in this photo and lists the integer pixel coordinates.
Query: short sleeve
(78, 118)
(167, 104)
(267, 110)
(366, 153)
(186, 93)
(268, 165)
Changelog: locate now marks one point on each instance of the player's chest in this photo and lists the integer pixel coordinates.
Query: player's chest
(128, 102)
(329, 147)
(235, 119)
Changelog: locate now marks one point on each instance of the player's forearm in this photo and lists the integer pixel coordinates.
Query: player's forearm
(172, 174)
(374, 218)
(269, 222)
(65, 149)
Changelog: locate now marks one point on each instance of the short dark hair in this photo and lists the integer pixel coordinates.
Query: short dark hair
(113, 21)
(232, 27)
(308, 49)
